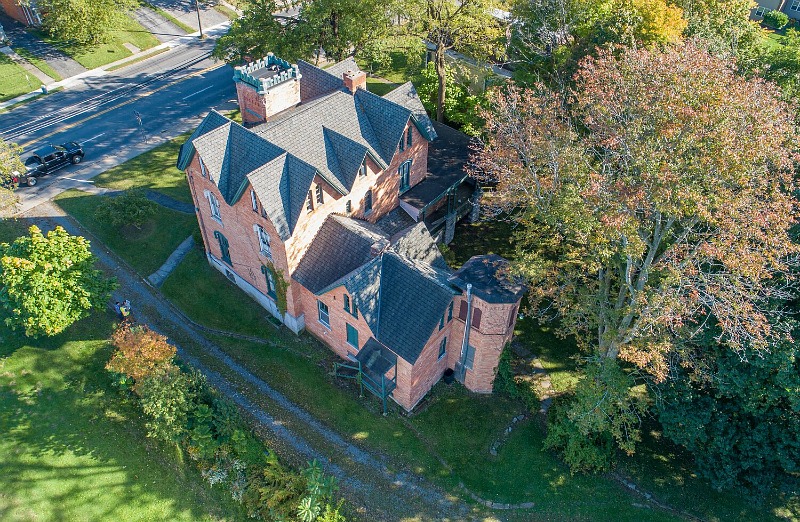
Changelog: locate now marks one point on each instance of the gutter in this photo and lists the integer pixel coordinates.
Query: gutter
(462, 370)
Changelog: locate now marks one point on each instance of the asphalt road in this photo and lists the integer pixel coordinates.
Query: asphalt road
(122, 113)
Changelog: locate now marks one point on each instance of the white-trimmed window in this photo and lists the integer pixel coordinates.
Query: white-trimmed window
(324, 316)
(253, 200)
(213, 202)
(263, 241)
(794, 6)
(362, 170)
(320, 195)
(203, 170)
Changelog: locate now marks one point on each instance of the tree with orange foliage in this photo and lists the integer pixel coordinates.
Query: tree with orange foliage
(140, 352)
(655, 205)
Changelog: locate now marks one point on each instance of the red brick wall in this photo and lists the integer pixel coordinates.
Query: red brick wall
(488, 340)
(250, 102)
(428, 368)
(335, 336)
(14, 10)
(386, 190)
(237, 227)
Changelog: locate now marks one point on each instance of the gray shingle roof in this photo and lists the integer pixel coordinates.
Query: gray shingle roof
(401, 293)
(338, 69)
(341, 246)
(209, 123)
(488, 278)
(316, 82)
(387, 118)
(406, 95)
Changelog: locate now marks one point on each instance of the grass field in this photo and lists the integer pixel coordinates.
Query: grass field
(13, 80)
(71, 450)
(127, 30)
(155, 170)
(146, 249)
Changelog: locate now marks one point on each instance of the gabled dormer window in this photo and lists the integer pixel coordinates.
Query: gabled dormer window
(409, 138)
(310, 202)
(350, 306)
(320, 195)
(253, 200)
(368, 202)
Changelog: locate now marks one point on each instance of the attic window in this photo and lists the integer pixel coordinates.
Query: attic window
(253, 200)
(409, 138)
(362, 170)
(450, 312)
(310, 202)
(402, 145)
(320, 195)
(348, 207)
(202, 167)
(213, 203)
(368, 202)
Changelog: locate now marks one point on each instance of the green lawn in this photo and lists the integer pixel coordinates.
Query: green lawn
(127, 30)
(242, 314)
(145, 250)
(398, 72)
(154, 169)
(71, 450)
(38, 63)
(13, 81)
(378, 87)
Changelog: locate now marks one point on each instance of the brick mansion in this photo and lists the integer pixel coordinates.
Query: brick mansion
(326, 208)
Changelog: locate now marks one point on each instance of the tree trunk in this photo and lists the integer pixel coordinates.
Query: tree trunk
(441, 74)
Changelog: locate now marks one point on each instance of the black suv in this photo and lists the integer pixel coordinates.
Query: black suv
(49, 159)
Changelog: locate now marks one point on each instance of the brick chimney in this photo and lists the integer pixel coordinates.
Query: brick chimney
(266, 87)
(355, 80)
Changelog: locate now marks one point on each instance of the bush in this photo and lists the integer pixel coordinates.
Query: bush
(166, 399)
(776, 19)
(140, 352)
(130, 208)
(591, 454)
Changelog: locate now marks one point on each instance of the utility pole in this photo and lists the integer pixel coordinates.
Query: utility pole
(199, 23)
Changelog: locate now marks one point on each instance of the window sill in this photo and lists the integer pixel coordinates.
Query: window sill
(217, 219)
(328, 326)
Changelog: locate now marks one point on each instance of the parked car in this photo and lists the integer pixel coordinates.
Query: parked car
(49, 159)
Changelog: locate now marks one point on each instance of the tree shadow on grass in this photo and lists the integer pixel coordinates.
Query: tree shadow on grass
(73, 450)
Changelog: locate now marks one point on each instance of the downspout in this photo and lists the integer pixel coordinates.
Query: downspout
(462, 369)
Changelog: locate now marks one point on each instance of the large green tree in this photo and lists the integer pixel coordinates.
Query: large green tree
(740, 417)
(337, 28)
(550, 37)
(10, 162)
(653, 206)
(83, 22)
(464, 25)
(49, 282)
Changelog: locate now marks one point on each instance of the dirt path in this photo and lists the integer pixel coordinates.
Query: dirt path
(369, 483)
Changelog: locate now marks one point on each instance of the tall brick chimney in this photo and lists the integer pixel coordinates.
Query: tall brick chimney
(355, 80)
(266, 87)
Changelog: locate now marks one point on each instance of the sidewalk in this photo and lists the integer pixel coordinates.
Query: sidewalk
(211, 32)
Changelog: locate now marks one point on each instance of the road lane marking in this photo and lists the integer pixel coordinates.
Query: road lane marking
(92, 138)
(128, 102)
(197, 92)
